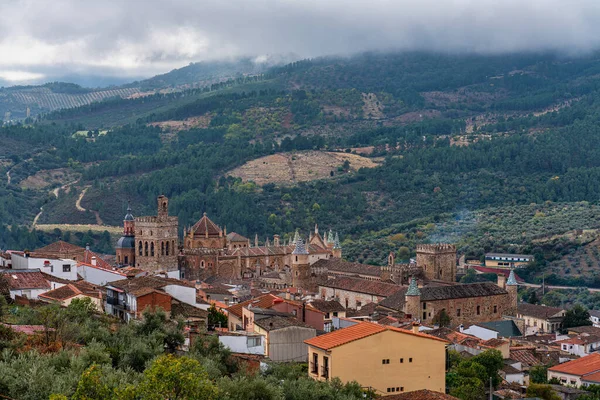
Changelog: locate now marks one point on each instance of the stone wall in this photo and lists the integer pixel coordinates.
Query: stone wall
(438, 261)
(490, 308)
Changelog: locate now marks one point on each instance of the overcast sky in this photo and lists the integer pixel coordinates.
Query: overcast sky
(130, 38)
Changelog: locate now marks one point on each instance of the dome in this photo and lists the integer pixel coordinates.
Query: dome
(128, 216)
(126, 242)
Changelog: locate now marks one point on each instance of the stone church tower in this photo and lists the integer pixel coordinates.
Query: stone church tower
(156, 240)
(412, 300)
(438, 261)
(126, 244)
(300, 265)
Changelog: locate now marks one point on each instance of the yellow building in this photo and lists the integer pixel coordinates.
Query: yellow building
(386, 359)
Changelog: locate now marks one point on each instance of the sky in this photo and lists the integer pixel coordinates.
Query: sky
(129, 39)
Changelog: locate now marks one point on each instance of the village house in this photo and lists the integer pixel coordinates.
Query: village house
(392, 360)
(58, 267)
(28, 283)
(595, 317)
(540, 319)
(64, 295)
(583, 371)
(285, 336)
(128, 298)
(331, 308)
(580, 345)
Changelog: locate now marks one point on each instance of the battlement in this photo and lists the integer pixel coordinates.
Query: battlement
(436, 248)
(154, 219)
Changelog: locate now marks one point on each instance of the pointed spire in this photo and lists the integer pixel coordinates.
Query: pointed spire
(336, 242)
(330, 238)
(413, 288)
(316, 229)
(296, 237)
(267, 242)
(128, 216)
(512, 281)
(300, 248)
(256, 240)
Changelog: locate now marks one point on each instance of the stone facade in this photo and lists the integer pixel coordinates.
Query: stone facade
(438, 261)
(468, 310)
(156, 240)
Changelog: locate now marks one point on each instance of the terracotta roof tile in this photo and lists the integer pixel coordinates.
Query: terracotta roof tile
(204, 226)
(61, 293)
(264, 301)
(357, 332)
(581, 366)
(87, 258)
(593, 377)
(363, 286)
(61, 247)
(153, 282)
(346, 267)
(537, 311)
(236, 237)
(327, 305)
(25, 279)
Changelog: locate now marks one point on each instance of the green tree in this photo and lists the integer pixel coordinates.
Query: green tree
(542, 391)
(538, 374)
(90, 386)
(173, 378)
(216, 317)
(468, 389)
(492, 361)
(442, 319)
(576, 316)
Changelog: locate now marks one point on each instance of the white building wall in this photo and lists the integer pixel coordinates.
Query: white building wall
(184, 294)
(480, 332)
(98, 276)
(242, 344)
(29, 293)
(60, 268)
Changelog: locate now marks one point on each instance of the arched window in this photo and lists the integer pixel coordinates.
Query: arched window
(173, 247)
(202, 263)
(146, 249)
(167, 252)
(150, 233)
(162, 248)
(152, 249)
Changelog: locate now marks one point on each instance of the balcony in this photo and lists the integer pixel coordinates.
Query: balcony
(114, 301)
(325, 372)
(314, 368)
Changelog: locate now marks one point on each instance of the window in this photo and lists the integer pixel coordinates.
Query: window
(424, 306)
(402, 388)
(495, 309)
(335, 313)
(152, 249)
(314, 365)
(385, 361)
(66, 267)
(326, 315)
(401, 360)
(51, 268)
(410, 360)
(424, 315)
(458, 312)
(358, 304)
(253, 341)
(478, 310)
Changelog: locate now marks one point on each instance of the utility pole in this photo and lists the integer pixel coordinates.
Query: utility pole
(491, 391)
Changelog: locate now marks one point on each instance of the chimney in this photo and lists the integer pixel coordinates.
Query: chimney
(287, 295)
(87, 246)
(94, 261)
(502, 281)
(415, 327)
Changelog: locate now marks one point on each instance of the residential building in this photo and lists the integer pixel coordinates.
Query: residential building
(540, 319)
(391, 359)
(241, 315)
(244, 342)
(331, 309)
(29, 283)
(583, 371)
(128, 298)
(58, 267)
(508, 261)
(99, 272)
(580, 345)
(285, 337)
(595, 317)
(64, 295)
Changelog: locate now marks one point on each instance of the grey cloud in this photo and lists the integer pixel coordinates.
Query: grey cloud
(142, 37)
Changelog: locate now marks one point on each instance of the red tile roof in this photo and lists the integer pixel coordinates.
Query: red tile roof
(357, 332)
(87, 258)
(358, 285)
(26, 279)
(581, 366)
(204, 226)
(61, 293)
(61, 247)
(264, 301)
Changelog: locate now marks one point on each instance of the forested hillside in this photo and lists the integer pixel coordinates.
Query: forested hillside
(457, 138)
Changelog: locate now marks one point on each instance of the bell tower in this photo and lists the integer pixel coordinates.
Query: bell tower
(300, 265)
(125, 247)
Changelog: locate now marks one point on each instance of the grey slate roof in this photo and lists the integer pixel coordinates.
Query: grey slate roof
(505, 328)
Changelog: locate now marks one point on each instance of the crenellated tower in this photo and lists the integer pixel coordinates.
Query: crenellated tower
(438, 261)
